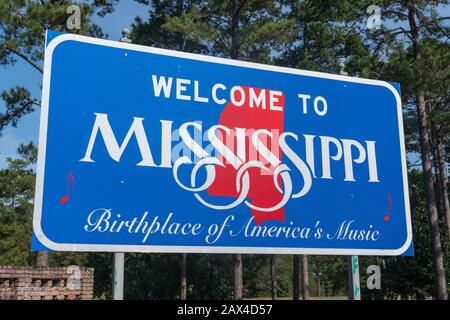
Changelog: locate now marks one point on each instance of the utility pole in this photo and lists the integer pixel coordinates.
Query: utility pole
(119, 257)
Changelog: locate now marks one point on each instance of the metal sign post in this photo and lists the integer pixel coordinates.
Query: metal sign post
(353, 278)
(119, 258)
(118, 275)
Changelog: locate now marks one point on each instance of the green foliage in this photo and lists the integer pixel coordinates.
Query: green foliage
(412, 277)
(17, 183)
(409, 277)
(18, 103)
(152, 276)
(151, 33)
(16, 194)
(15, 238)
(327, 34)
(434, 80)
(257, 275)
(22, 36)
(246, 29)
(210, 276)
(331, 273)
(23, 24)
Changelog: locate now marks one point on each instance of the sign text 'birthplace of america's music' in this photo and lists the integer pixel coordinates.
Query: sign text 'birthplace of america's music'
(149, 150)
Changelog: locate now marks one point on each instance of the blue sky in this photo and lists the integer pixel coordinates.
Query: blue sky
(24, 75)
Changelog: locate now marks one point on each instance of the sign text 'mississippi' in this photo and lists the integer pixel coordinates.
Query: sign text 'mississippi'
(226, 145)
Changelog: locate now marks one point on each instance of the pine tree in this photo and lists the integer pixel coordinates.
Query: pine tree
(16, 193)
(22, 36)
(422, 21)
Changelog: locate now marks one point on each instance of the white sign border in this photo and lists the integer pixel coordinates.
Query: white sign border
(37, 228)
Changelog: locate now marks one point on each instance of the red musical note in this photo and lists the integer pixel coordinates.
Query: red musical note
(70, 182)
(387, 217)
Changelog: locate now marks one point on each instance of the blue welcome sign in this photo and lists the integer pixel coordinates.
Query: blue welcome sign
(150, 150)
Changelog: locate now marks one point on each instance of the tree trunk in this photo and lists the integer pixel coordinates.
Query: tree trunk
(431, 201)
(237, 276)
(42, 259)
(443, 181)
(273, 276)
(234, 47)
(296, 281)
(305, 278)
(319, 292)
(147, 284)
(437, 183)
(438, 173)
(183, 287)
(427, 164)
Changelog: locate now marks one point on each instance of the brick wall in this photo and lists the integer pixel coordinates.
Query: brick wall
(43, 283)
